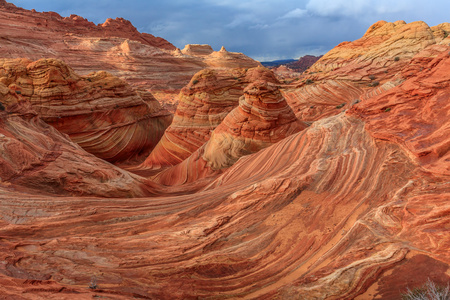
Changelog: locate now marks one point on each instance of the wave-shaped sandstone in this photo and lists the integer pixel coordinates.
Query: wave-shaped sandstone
(353, 206)
(204, 104)
(100, 112)
(36, 157)
(262, 119)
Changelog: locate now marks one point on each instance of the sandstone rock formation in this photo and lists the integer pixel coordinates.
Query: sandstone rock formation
(354, 206)
(204, 103)
(197, 50)
(99, 111)
(35, 156)
(416, 114)
(114, 46)
(383, 50)
(358, 70)
(262, 118)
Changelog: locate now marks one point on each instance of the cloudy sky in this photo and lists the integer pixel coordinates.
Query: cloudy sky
(262, 29)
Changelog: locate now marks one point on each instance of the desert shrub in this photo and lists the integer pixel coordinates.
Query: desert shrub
(429, 291)
(371, 77)
(309, 81)
(195, 81)
(445, 34)
(340, 105)
(2, 108)
(373, 84)
(388, 109)
(93, 283)
(396, 58)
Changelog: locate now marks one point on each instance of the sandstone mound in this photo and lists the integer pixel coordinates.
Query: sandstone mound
(358, 70)
(197, 50)
(115, 46)
(383, 50)
(204, 103)
(262, 118)
(100, 112)
(37, 158)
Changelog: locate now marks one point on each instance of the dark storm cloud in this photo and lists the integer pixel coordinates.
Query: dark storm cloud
(262, 29)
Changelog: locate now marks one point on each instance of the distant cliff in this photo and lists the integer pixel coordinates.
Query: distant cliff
(299, 65)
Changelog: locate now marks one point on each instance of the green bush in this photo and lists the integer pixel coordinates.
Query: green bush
(309, 81)
(396, 58)
(195, 81)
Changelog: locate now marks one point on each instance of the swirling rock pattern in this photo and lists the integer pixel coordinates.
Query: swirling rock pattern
(204, 103)
(323, 212)
(312, 102)
(100, 112)
(262, 118)
(355, 206)
(362, 69)
(37, 158)
(383, 50)
(417, 112)
(114, 46)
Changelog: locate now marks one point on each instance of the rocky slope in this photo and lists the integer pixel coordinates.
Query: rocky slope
(100, 112)
(114, 46)
(354, 206)
(383, 51)
(358, 70)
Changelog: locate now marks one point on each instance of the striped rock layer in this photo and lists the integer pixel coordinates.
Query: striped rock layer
(383, 50)
(100, 112)
(204, 104)
(262, 119)
(358, 70)
(36, 158)
(115, 46)
(355, 206)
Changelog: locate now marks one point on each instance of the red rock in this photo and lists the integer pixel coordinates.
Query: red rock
(262, 118)
(383, 50)
(100, 112)
(114, 46)
(358, 70)
(416, 114)
(35, 156)
(354, 206)
(204, 103)
(293, 70)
